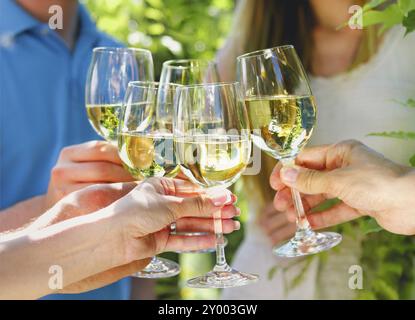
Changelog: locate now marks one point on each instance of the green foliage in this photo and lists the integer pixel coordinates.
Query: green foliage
(404, 135)
(169, 29)
(400, 12)
(369, 226)
(388, 265)
(410, 103)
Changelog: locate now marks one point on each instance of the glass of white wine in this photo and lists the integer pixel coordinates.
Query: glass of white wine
(189, 72)
(282, 114)
(145, 145)
(109, 73)
(213, 145)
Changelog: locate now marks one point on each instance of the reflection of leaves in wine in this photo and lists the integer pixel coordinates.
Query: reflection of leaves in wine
(110, 121)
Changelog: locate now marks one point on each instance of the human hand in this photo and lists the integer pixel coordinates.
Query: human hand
(82, 165)
(143, 244)
(366, 182)
(276, 224)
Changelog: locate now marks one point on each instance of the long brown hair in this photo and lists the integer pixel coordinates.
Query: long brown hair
(260, 24)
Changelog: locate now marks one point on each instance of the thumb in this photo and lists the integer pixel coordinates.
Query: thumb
(306, 180)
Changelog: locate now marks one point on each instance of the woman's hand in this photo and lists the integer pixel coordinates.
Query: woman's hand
(82, 165)
(366, 182)
(160, 202)
(157, 202)
(276, 225)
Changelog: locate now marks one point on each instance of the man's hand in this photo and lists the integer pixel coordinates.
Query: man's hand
(82, 165)
(366, 182)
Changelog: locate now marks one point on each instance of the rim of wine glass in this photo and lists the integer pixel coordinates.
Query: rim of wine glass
(156, 84)
(210, 84)
(120, 49)
(263, 51)
(169, 63)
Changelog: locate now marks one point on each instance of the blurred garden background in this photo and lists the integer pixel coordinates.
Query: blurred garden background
(173, 30)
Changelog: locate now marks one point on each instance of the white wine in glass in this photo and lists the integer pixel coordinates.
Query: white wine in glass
(110, 71)
(145, 146)
(213, 146)
(190, 72)
(282, 114)
(283, 124)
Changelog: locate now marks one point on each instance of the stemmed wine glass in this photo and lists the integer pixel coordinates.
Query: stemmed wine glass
(145, 145)
(213, 145)
(189, 72)
(109, 73)
(282, 114)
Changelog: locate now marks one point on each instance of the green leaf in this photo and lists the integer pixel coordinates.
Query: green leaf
(409, 22)
(325, 205)
(412, 161)
(406, 6)
(408, 103)
(271, 272)
(388, 17)
(370, 226)
(404, 135)
(373, 4)
(385, 290)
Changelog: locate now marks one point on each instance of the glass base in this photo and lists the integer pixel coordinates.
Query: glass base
(223, 279)
(159, 268)
(307, 242)
(198, 234)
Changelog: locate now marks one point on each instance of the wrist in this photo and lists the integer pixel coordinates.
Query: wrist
(114, 240)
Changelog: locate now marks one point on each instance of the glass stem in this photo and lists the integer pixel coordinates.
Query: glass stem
(221, 264)
(303, 226)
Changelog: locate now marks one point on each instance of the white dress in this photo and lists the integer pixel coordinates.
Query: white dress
(350, 106)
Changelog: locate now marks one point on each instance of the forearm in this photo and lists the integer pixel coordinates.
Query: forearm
(80, 247)
(21, 213)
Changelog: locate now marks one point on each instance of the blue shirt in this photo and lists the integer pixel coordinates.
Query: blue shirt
(42, 107)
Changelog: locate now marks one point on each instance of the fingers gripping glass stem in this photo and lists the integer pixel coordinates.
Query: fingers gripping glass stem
(302, 221)
(305, 241)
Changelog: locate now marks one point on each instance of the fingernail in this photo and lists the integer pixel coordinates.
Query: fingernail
(238, 211)
(234, 198)
(289, 174)
(220, 200)
(237, 225)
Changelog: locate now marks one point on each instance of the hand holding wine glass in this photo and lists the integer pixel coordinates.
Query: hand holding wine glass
(190, 72)
(145, 145)
(212, 143)
(282, 114)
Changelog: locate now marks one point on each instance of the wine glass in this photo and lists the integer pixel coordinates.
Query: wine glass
(213, 145)
(188, 72)
(109, 73)
(145, 145)
(282, 113)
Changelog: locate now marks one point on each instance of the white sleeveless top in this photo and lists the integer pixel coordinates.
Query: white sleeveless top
(350, 106)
